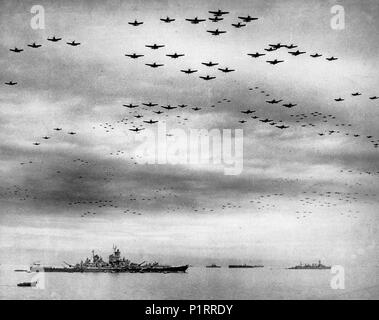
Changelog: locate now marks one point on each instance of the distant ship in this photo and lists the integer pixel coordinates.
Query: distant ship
(115, 264)
(27, 284)
(313, 266)
(244, 266)
(213, 266)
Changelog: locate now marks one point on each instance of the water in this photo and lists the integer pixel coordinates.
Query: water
(197, 283)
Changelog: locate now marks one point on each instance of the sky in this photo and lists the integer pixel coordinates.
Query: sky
(300, 195)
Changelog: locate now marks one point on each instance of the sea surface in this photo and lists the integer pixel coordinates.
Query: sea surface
(197, 283)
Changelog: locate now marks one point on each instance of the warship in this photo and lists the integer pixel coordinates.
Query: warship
(115, 264)
(313, 266)
(244, 266)
(213, 266)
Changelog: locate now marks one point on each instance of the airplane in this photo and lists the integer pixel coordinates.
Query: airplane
(256, 55)
(36, 143)
(216, 19)
(316, 55)
(274, 61)
(207, 77)
(254, 117)
(57, 129)
(134, 55)
(238, 25)
(196, 109)
(182, 105)
(331, 58)
(289, 105)
(150, 104)
(248, 111)
(73, 43)
(10, 83)
(374, 98)
(226, 70)
(339, 99)
(216, 32)
(356, 94)
(296, 53)
(188, 71)
(158, 112)
(46, 137)
(130, 105)
(168, 107)
(154, 46)
(196, 20)
(138, 116)
(54, 39)
(247, 19)
(175, 55)
(151, 121)
(137, 129)
(218, 12)
(282, 127)
(242, 121)
(135, 23)
(72, 133)
(16, 50)
(291, 46)
(271, 49)
(321, 134)
(274, 101)
(209, 64)
(34, 45)
(154, 65)
(277, 46)
(266, 120)
(167, 20)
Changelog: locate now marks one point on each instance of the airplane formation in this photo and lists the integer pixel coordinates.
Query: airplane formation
(144, 114)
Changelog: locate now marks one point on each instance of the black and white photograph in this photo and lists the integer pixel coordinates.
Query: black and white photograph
(189, 150)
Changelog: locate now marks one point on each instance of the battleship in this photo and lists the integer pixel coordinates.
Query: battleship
(115, 264)
(313, 266)
(244, 266)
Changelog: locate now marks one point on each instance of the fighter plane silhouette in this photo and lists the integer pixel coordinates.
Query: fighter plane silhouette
(216, 32)
(135, 23)
(207, 77)
(134, 55)
(188, 71)
(175, 55)
(167, 19)
(209, 64)
(154, 65)
(34, 45)
(73, 43)
(256, 55)
(16, 50)
(196, 20)
(274, 61)
(54, 39)
(154, 46)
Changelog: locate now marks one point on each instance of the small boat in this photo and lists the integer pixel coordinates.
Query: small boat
(213, 266)
(27, 284)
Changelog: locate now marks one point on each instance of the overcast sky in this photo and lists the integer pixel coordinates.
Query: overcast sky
(300, 195)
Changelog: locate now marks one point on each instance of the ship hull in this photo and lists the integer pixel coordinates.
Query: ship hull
(159, 269)
(239, 267)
